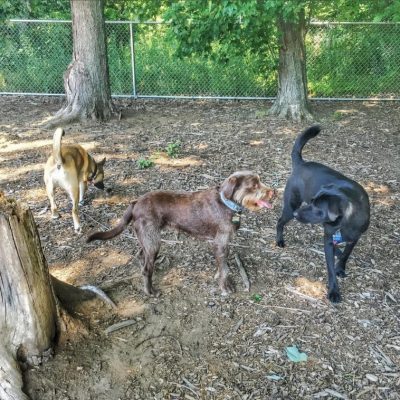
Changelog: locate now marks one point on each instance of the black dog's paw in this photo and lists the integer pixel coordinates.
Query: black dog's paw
(334, 296)
(280, 243)
(341, 273)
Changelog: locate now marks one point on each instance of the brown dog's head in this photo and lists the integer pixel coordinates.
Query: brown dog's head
(98, 174)
(246, 189)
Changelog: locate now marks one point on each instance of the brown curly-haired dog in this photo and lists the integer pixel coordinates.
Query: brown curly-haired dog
(207, 214)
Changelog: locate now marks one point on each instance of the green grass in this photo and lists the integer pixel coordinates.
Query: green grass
(173, 149)
(144, 163)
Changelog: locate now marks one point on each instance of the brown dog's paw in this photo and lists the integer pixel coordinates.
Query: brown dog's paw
(149, 289)
(227, 287)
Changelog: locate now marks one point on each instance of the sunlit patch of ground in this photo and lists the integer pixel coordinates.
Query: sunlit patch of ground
(164, 160)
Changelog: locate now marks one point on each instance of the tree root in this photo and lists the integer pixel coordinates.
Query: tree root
(292, 112)
(62, 118)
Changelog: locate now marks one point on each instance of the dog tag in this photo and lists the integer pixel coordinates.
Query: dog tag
(337, 237)
(236, 219)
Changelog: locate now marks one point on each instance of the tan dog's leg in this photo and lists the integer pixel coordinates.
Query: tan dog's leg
(221, 251)
(82, 191)
(50, 195)
(73, 190)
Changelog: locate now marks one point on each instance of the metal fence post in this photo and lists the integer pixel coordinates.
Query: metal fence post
(133, 60)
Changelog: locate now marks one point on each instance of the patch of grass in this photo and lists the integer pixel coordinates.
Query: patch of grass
(144, 163)
(337, 115)
(261, 113)
(173, 149)
(256, 297)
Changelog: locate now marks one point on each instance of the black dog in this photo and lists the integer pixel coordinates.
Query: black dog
(339, 203)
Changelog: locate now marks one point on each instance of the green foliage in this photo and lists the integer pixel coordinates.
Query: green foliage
(256, 297)
(223, 48)
(144, 163)
(356, 60)
(173, 149)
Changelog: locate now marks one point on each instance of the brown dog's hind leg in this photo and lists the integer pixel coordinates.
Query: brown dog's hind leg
(221, 251)
(150, 240)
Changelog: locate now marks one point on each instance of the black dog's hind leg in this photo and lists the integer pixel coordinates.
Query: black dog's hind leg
(291, 202)
(283, 220)
(342, 259)
(333, 287)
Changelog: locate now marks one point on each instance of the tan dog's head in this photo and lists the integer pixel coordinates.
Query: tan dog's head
(246, 189)
(98, 178)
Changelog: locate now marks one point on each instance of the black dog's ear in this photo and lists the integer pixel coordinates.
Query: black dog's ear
(229, 186)
(327, 191)
(333, 213)
(333, 207)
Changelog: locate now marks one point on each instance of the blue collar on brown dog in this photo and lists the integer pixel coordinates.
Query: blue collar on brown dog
(235, 207)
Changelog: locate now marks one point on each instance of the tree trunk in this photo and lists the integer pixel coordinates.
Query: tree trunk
(28, 312)
(86, 79)
(292, 100)
(31, 316)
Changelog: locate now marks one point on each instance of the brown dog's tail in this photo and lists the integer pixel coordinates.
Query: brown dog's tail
(127, 217)
(58, 134)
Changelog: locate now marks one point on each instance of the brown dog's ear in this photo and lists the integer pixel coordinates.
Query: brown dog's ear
(102, 162)
(228, 187)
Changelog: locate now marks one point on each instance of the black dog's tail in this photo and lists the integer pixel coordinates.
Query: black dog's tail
(300, 142)
(127, 217)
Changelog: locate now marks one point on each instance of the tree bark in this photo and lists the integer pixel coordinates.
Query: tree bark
(28, 312)
(32, 315)
(86, 79)
(292, 100)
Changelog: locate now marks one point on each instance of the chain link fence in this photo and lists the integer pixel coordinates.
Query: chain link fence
(344, 60)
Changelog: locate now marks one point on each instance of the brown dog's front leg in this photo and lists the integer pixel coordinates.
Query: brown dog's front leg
(221, 251)
(333, 287)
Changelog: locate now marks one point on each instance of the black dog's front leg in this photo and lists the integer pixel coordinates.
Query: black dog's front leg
(342, 259)
(333, 288)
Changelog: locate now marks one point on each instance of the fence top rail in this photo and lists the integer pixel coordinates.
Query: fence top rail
(327, 23)
(66, 21)
(137, 22)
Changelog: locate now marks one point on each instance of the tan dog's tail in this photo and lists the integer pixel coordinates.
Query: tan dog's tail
(58, 134)
(127, 217)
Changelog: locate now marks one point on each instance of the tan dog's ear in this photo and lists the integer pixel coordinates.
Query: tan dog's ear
(228, 187)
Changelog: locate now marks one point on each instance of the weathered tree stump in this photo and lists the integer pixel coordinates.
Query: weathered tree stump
(28, 312)
(35, 308)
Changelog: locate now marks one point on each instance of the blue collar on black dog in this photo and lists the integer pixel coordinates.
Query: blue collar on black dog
(231, 204)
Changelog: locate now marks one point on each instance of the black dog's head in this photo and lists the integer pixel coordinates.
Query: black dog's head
(327, 206)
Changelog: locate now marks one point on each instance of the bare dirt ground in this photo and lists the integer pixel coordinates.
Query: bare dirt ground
(191, 343)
